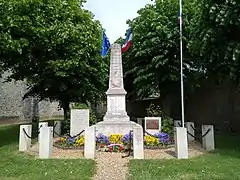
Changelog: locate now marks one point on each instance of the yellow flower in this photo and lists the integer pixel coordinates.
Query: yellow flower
(115, 138)
(80, 141)
(63, 139)
(151, 141)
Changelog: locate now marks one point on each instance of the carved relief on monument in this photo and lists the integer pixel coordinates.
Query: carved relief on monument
(116, 83)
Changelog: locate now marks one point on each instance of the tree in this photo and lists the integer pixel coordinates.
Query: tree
(55, 46)
(153, 61)
(216, 44)
(216, 39)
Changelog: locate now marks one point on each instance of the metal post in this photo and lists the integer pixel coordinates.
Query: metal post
(181, 60)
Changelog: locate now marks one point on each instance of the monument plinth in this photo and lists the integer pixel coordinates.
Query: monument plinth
(116, 119)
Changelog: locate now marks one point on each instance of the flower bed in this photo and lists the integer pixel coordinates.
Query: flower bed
(116, 142)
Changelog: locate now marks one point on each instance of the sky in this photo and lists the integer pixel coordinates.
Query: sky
(113, 14)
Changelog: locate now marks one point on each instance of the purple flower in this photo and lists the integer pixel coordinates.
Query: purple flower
(71, 140)
(126, 137)
(163, 137)
(101, 138)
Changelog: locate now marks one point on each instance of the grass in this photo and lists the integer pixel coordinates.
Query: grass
(222, 164)
(19, 166)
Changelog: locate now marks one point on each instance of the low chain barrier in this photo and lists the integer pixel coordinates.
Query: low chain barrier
(68, 135)
(196, 131)
(202, 136)
(180, 124)
(54, 132)
(130, 144)
(34, 137)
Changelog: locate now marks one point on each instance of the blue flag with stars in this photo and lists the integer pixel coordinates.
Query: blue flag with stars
(105, 45)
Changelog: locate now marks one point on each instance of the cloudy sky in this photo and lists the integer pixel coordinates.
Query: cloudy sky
(113, 14)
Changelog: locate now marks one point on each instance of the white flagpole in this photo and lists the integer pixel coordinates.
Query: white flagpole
(181, 60)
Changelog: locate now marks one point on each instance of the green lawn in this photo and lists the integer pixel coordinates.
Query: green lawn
(223, 164)
(18, 166)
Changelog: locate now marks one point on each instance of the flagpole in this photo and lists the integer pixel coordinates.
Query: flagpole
(181, 62)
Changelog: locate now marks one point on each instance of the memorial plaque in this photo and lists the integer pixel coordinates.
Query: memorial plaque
(152, 124)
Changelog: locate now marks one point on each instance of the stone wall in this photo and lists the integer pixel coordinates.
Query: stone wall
(13, 107)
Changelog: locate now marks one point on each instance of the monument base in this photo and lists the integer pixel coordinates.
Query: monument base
(119, 117)
(115, 127)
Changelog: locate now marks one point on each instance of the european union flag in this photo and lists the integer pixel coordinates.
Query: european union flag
(105, 45)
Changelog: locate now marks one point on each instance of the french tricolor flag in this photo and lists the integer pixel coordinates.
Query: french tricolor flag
(128, 41)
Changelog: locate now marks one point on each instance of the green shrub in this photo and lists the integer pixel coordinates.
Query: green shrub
(154, 111)
(167, 125)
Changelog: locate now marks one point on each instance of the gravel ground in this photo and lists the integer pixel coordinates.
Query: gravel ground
(111, 166)
(194, 149)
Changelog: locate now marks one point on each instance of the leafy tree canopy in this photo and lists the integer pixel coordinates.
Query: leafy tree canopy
(216, 38)
(55, 46)
(154, 60)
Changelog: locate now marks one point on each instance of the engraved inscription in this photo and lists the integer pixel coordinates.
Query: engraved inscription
(115, 66)
(152, 124)
(116, 73)
(81, 116)
(116, 83)
(113, 105)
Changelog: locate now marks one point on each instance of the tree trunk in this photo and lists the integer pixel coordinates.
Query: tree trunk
(66, 110)
(232, 106)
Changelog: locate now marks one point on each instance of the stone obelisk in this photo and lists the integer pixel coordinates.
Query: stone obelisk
(116, 119)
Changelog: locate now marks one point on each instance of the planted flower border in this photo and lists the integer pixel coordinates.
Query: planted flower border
(117, 142)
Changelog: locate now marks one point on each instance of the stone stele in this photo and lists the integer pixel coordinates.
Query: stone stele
(116, 119)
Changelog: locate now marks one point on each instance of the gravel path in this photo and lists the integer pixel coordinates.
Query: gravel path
(111, 166)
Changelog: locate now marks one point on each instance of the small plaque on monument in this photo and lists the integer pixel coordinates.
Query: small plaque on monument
(153, 124)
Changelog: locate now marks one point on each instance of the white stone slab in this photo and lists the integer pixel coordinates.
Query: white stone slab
(115, 127)
(90, 142)
(152, 124)
(40, 125)
(46, 142)
(138, 151)
(181, 143)
(24, 140)
(208, 140)
(57, 128)
(140, 121)
(79, 120)
(190, 128)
